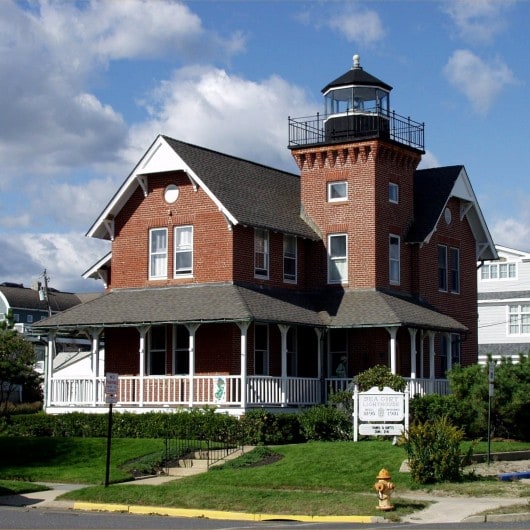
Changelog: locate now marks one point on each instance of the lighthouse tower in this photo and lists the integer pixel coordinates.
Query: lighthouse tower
(357, 163)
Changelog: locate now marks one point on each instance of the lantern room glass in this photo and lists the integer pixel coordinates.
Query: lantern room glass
(360, 99)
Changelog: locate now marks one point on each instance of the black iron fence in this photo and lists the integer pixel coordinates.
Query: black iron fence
(183, 449)
(323, 129)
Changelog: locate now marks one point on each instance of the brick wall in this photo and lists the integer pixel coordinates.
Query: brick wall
(367, 217)
(212, 239)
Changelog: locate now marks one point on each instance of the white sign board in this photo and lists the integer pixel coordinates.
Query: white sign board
(381, 429)
(111, 387)
(376, 405)
(384, 412)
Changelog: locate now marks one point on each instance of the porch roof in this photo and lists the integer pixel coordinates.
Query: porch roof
(237, 303)
(374, 308)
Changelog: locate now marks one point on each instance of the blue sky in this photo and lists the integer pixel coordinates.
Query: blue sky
(86, 86)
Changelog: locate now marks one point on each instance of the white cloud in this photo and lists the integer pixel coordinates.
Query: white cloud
(479, 81)
(478, 21)
(428, 160)
(64, 256)
(51, 120)
(512, 232)
(227, 113)
(359, 26)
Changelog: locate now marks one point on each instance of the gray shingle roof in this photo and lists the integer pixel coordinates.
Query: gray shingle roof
(236, 303)
(26, 298)
(256, 195)
(432, 189)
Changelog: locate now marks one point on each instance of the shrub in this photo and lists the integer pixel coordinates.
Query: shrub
(259, 426)
(326, 423)
(380, 376)
(433, 450)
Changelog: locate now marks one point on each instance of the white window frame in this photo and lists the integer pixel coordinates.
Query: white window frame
(442, 288)
(290, 255)
(393, 192)
(333, 187)
(263, 369)
(494, 271)
(340, 259)
(454, 272)
(261, 253)
(156, 254)
(394, 262)
(181, 249)
(518, 319)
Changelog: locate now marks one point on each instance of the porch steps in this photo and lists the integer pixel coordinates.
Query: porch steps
(197, 462)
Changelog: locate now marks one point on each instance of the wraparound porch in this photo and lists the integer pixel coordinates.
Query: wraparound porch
(136, 393)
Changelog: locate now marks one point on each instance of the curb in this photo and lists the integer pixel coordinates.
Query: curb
(216, 514)
(498, 518)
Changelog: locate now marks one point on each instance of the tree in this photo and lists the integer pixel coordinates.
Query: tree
(17, 363)
(380, 376)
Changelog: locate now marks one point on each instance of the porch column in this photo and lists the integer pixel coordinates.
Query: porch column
(243, 326)
(431, 335)
(320, 363)
(141, 369)
(393, 361)
(412, 333)
(283, 331)
(48, 368)
(422, 351)
(94, 337)
(192, 329)
(449, 351)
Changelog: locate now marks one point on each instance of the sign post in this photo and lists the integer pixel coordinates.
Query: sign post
(111, 391)
(491, 386)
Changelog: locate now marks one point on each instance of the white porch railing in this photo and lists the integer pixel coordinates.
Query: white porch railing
(164, 391)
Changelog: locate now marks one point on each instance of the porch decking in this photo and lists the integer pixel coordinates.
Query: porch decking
(222, 391)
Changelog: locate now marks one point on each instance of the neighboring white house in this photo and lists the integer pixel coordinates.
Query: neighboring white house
(504, 305)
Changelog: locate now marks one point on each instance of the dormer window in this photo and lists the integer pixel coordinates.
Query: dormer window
(337, 191)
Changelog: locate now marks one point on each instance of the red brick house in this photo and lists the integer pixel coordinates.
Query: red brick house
(238, 285)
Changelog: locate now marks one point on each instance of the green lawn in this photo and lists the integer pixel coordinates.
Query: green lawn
(317, 478)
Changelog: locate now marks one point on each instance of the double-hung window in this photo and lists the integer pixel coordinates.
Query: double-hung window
(289, 258)
(183, 251)
(454, 273)
(261, 253)
(394, 259)
(158, 253)
(519, 319)
(442, 268)
(337, 258)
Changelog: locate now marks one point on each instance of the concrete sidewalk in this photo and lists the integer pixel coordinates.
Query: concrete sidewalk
(443, 509)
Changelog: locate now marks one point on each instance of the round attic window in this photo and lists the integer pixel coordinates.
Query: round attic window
(171, 193)
(448, 216)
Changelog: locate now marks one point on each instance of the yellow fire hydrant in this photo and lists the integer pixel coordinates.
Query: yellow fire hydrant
(384, 489)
